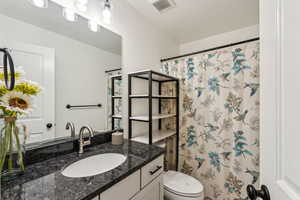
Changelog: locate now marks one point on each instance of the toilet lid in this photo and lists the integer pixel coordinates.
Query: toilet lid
(182, 184)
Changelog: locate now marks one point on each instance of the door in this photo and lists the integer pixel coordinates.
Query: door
(280, 98)
(39, 66)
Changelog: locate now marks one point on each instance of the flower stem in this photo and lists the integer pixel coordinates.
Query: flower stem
(2, 149)
(10, 159)
(19, 149)
(5, 147)
(9, 143)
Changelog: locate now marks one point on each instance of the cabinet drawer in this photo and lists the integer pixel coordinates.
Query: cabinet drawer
(152, 170)
(124, 190)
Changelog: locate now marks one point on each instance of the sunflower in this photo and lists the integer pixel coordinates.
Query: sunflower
(16, 102)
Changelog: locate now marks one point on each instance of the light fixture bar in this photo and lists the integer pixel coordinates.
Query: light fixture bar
(81, 5)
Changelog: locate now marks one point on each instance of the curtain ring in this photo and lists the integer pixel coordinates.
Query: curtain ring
(7, 60)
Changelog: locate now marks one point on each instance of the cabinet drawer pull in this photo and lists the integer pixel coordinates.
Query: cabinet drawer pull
(156, 170)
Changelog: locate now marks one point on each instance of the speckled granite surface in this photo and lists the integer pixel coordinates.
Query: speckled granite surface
(44, 181)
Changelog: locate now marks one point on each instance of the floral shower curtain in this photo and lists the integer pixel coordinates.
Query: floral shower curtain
(219, 125)
(118, 102)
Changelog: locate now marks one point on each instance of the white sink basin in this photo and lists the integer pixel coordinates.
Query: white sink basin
(94, 165)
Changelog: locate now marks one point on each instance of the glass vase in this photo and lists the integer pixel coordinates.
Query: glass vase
(11, 150)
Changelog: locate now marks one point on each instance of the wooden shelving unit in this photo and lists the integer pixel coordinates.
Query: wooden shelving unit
(114, 115)
(153, 136)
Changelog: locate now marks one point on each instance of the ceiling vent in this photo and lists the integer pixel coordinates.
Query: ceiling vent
(162, 5)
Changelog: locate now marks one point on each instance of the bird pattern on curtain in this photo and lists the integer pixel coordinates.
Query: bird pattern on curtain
(219, 118)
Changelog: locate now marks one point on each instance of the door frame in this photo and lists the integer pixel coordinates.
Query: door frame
(271, 111)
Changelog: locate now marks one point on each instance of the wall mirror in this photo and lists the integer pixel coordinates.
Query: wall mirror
(74, 65)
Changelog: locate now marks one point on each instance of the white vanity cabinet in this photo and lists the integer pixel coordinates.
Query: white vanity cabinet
(153, 191)
(144, 184)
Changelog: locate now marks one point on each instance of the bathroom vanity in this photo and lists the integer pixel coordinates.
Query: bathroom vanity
(139, 177)
(144, 184)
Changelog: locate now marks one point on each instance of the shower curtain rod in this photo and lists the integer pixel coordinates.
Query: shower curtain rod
(211, 49)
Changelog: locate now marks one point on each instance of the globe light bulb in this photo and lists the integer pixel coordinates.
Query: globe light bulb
(69, 14)
(93, 26)
(39, 3)
(81, 5)
(106, 13)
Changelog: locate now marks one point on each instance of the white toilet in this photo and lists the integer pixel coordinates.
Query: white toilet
(179, 186)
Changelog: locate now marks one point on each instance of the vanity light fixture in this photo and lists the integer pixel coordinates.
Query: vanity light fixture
(81, 5)
(93, 26)
(106, 13)
(69, 14)
(39, 3)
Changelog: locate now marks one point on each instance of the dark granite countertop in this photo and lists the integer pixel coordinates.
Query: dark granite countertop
(44, 181)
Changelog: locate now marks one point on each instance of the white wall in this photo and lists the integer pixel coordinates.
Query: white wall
(220, 39)
(144, 44)
(79, 73)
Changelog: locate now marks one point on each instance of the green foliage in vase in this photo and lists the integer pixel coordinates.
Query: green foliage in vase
(13, 104)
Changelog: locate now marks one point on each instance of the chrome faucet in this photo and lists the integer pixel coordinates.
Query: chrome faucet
(70, 125)
(82, 138)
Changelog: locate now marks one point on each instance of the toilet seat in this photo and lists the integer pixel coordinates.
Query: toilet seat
(182, 184)
(182, 194)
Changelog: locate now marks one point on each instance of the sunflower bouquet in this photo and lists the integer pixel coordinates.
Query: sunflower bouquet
(14, 104)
